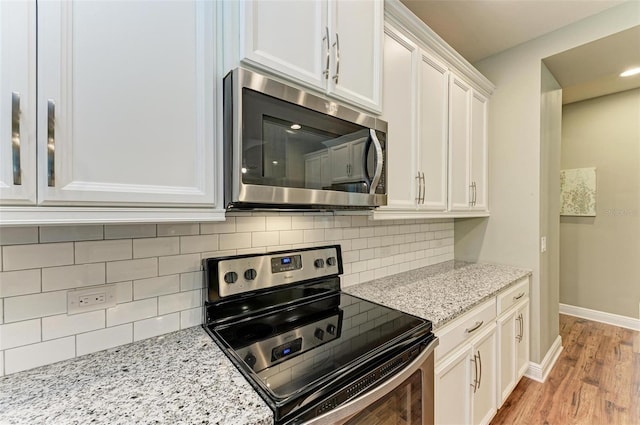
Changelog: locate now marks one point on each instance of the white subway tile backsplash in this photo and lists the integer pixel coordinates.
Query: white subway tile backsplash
(33, 306)
(66, 277)
(265, 238)
(124, 292)
(127, 231)
(19, 282)
(197, 244)
(130, 312)
(62, 325)
(179, 264)
(235, 240)
(18, 257)
(119, 271)
(155, 247)
(158, 274)
(155, 326)
(95, 252)
(34, 355)
(19, 333)
(155, 286)
(191, 317)
(250, 224)
(191, 281)
(102, 339)
(71, 233)
(227, 226)
(178, 229)
(181, 301)
(18, 235)
(278, 223)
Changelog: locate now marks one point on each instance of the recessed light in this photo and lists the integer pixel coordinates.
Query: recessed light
(295, 127)
(630, 72)
(243, 170)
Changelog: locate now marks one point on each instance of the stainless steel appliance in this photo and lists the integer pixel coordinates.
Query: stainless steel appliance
(285, 148)
(315, 354)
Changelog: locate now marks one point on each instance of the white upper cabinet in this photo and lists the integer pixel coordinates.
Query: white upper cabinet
(126, 103)
(433, 110)
(334, 46)
(17, 102)
(399, 110)
(478, 156)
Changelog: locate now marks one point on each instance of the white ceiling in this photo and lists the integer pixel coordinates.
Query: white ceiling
(478, 29)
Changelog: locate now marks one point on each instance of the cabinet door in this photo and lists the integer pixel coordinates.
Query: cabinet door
(433, 109)
(289, 37)
(522, 350)
(126, 102)
(17, 102)
(452, 389)
(356, 51)
(484, 396)
(459, 99)
(340, 162)
(356, 169)
(507, 332)
(478, 154)
(313, 171)
(399, 97)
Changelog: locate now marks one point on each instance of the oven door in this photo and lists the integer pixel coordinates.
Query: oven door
(285, 147)
(406, 398)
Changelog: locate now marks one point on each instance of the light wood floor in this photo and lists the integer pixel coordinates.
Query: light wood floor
(596, 380)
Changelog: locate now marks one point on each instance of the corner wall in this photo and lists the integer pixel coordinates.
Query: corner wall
(512, 234)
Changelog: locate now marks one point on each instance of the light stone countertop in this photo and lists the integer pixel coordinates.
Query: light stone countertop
(184, 378)
(440, 292)
(179, 378)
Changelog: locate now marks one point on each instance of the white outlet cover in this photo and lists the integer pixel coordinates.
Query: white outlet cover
(73, 298)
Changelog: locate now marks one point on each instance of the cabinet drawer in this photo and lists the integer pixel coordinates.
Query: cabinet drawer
(513, 295)
(465, 327)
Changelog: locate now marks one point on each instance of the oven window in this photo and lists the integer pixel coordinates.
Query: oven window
(287, 145)
(402, 406)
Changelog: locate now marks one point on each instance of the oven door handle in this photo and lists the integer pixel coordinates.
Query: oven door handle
(343, 413)
(372, 182)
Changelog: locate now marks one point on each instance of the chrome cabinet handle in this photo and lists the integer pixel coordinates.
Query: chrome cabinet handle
(326, 69)
(424, 187)
(475, 379)
(15, 138)
(521, 326)
(475, 327)
(419, 179)
(377, 175)
(337, 46)
(471, 195)
(51, 143)
(480, 361)
(519, 296)
(519, 336)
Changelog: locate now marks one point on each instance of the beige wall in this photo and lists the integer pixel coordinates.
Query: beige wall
(512, 234)
(599, 256)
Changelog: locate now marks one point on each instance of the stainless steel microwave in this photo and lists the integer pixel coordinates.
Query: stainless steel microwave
(288, 149)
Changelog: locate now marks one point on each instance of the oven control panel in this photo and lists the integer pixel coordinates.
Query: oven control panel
(248, 273)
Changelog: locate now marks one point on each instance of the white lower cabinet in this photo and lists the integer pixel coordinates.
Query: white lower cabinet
(481, 357)
(513, 334)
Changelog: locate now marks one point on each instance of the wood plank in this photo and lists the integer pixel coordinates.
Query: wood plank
(596, 380)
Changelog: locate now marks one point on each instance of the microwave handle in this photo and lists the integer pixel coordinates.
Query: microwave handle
(377, 174)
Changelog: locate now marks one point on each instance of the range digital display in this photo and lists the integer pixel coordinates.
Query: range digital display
(285, 260)
(286, 263)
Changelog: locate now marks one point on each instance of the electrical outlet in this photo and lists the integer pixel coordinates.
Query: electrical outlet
(543, 244)
(89, 299)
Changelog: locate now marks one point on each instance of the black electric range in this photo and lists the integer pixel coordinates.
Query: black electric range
(304, 345)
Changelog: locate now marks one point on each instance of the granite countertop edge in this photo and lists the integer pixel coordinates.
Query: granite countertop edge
(440, 292)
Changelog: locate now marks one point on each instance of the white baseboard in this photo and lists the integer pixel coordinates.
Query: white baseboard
(539, 372)
(601, 316)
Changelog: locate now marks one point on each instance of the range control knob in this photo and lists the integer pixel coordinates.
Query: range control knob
(250, 274)
(331, 329)
(230, 277)
(250, 360)
(319, 333)
(331, 261)
(319, 263)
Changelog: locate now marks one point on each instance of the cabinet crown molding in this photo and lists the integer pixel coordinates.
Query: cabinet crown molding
(400, 15)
